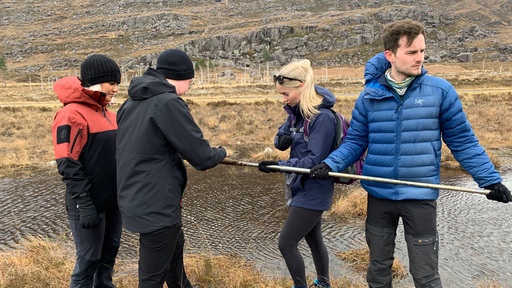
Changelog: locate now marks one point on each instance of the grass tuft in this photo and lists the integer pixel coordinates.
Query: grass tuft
(350, 206)
(359, 259)
(38, 263)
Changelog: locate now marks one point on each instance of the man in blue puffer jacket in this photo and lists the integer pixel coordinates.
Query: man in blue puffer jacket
(401, 117)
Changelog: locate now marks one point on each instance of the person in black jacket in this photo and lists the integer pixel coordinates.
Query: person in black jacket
(84, 141)
(156, 133)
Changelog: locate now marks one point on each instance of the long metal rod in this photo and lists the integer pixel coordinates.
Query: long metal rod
(360, 177)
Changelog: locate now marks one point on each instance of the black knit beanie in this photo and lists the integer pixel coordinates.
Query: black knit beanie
(97, 69)
(175, 64)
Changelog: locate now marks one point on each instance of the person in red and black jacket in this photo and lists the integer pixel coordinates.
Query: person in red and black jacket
(84, 141)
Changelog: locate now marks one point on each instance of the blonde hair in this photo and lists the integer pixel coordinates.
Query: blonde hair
(95, 87)
(309, 98)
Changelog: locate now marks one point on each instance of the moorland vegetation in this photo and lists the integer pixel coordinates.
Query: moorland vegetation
(242, 117)
(45, 40)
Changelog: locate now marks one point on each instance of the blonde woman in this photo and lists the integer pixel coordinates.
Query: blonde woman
(307, 106)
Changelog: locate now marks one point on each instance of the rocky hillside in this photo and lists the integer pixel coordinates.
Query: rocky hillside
(40, 36)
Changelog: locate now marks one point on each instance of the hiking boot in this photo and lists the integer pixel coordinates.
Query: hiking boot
(317, 283)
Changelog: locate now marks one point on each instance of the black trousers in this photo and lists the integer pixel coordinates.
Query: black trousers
(96, 251)
(419, 219)
(161, 258)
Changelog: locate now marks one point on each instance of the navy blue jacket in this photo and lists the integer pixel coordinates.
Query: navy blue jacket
(309, 192)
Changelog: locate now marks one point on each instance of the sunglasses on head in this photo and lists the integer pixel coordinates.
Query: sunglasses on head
(280, 79)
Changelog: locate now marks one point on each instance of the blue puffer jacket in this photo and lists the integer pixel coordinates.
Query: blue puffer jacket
(307, 192)
(404, 138)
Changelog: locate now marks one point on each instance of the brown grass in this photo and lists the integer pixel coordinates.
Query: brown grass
(25, 135)
(37, 263)
(359, 259)
(243, 117)
(43, 263)
(491, 283)
(350, 206)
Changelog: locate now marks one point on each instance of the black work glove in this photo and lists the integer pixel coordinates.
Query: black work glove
(284, 142)
(88, 215)
(498, 193)
(320, 171)
(262, 166)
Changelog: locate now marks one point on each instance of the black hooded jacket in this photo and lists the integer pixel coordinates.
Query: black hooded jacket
(155, 133)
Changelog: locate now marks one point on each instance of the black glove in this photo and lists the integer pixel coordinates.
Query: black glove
(88, 215)
(284, 142)
(262, 166)
(498, 193)
(320, 171)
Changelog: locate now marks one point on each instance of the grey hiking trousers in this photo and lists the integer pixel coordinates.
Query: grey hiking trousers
(419, 219)
(96, 251)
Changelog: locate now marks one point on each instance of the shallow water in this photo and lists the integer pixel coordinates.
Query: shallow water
(238, 210)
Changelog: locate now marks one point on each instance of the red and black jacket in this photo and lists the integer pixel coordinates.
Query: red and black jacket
(84, 141)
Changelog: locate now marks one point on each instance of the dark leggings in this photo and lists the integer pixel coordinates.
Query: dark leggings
(303, 223)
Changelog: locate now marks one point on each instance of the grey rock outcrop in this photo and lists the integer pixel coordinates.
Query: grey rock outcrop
(240, 33)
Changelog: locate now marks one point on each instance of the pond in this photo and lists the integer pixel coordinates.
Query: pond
(238, 210)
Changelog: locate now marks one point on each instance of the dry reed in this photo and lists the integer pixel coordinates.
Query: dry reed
(359, 259)
(38, 263)
(350, 206)
(245, 125)
(43, 263)
(243, 119)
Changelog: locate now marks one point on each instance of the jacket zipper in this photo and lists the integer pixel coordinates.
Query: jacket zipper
(79, 133)
(398, 112)
(104, 111)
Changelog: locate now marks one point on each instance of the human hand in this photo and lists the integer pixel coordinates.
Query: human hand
(88, 215)
(284, 142)
(499, 193)
(262, 166)
(320, 171)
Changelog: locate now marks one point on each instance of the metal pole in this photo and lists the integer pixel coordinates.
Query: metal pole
(360, 177)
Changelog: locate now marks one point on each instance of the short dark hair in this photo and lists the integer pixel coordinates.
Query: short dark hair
(394, 31)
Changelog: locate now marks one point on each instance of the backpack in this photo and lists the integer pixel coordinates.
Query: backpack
(342, 126)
